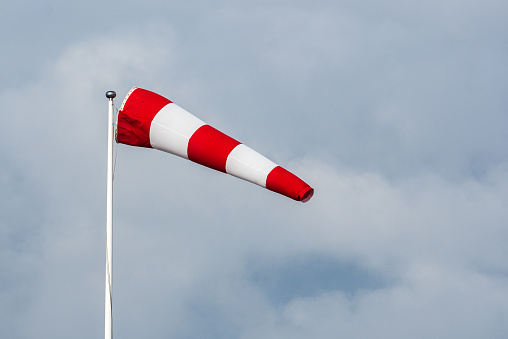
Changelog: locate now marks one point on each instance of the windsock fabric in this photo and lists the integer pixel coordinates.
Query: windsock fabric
(147, 119)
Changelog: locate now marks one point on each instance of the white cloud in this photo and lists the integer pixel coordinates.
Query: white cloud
(51, 139)
(421, 236)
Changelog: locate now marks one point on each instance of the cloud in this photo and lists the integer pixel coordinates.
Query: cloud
(434, 304)
(52, 183)
(240, 264)
(393, 114)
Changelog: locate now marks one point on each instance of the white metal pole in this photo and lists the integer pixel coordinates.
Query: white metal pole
(108, 320)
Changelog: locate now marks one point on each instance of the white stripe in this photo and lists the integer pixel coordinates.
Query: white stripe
(245, 163)
(172, 128)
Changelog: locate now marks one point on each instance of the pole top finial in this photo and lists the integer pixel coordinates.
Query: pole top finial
(110, 94)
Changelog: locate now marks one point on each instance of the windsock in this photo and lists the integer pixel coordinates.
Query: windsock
(147, 119)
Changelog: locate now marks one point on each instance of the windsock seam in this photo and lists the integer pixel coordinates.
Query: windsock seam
(127, 97)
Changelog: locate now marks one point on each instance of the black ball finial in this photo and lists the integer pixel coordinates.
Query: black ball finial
(110, 94)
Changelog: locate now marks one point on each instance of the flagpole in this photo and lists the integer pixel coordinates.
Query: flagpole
(108, 316)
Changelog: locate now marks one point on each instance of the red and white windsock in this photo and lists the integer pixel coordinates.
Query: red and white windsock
(147, 119)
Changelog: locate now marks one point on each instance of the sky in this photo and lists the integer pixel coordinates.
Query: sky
(395, 112)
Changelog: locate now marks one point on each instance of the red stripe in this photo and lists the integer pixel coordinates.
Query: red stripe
(134, 120)
(286, 183)
(210, 147)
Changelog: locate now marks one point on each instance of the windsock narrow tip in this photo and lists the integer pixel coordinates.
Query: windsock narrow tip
(306, 194)
(286, 183)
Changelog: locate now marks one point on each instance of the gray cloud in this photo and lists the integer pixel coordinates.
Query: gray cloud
(394, 113)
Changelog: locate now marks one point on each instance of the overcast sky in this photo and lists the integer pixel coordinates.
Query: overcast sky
(395, 112)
